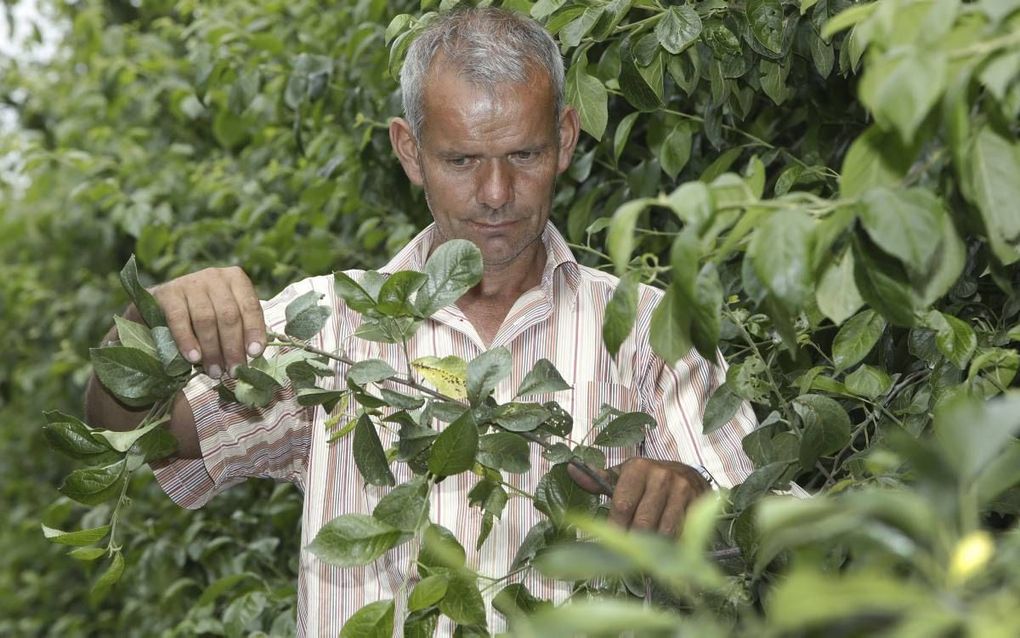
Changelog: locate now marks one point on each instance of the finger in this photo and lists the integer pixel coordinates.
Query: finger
(628, 493)
(252, 319)
(675, 511)
(229, 327)
(203, 321)
(649, 509)
(178, 320)
(587, 482)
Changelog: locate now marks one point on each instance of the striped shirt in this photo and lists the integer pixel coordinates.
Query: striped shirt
(560, 320)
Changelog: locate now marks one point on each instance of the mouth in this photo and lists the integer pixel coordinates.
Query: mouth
(491, 226)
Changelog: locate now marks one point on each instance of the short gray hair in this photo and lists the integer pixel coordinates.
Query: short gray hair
(488, 46)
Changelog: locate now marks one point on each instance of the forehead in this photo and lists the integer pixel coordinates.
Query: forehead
(461, 112)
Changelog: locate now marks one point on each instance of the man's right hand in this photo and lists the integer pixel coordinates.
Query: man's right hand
(215, 317)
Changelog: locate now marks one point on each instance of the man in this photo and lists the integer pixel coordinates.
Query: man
(486, 134)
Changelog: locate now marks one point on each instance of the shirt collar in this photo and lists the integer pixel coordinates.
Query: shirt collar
(559, 258)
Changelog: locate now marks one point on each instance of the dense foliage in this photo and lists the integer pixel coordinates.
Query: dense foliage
(828, 191)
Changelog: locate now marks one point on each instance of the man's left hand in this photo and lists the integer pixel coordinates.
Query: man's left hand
(649, 495)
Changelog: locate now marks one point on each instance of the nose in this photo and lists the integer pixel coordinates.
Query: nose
(496, 187)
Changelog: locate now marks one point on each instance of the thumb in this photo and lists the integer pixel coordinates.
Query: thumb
(590, 484)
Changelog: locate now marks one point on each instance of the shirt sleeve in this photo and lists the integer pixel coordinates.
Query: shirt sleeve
(676, 396)
(240, 442)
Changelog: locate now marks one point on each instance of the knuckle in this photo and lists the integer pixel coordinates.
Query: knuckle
(229, 314)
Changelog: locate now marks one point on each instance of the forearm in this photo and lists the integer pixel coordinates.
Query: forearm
(104, 411)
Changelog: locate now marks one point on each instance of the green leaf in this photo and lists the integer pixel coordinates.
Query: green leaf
(257, 378)
(622, 134)
(374, 620)
(504, 451)
(72, 437)
(582, 561)
(463, 602)
(671, 328)
(856, 338)
(557, 494)
(87, 554)
(514, 601)
(836, 293)
(604, 617)
(242, 611)
(428, 592)
(370, 371)
(454, 449)
(122, 440)
(780, 252)
(352, 540)
(869, 382)
(143, 300)
(765, 18)
(541, 379)
(521, 417)
(676, 149)
(904, 223)
(535, 541)
(318, 396)
(848, 18)
(758, 483)
(641, 86)
(395, 294)
(76, 538)
(621, 312)
(137, 379)
(572, 34)
(484, 373)
(901, 88)
(168, 354)
(421, 624)
(692, 202)
(826, 427)
(620, 238)
(874, 159)
(994, 165)
(135, 335)
(839, 597)
(405, 507)
(722, 406)
(954, 338)
(453, 269)
(971, 432)
(305, 318)
(439, 548)
(678, 28)
(356, 297)
(588, 95)
(884, 284)
(369, 455)
(108, 579)
(626, 429)
(95, 485)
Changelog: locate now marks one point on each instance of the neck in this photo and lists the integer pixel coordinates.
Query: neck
(487, 304)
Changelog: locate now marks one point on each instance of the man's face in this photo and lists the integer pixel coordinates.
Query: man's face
(488, 160)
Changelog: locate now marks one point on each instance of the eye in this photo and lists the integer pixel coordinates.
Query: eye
(524, 156)
(458, 162)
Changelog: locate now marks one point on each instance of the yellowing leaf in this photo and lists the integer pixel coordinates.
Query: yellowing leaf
(448, 375)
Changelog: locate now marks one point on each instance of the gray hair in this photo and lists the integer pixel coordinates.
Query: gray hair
(488, 46)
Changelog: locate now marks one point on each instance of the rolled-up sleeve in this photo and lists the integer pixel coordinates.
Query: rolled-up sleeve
(237, 441)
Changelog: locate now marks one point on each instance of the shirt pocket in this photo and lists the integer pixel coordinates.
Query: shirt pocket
(587, 401)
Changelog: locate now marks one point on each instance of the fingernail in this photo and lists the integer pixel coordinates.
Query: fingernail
(215, 372)
(233, 371)
(193, 356)
(254, 348)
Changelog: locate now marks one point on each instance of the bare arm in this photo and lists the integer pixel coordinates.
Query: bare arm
(215, 318)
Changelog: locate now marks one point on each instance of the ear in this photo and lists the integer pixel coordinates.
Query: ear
(406, 149)
(570, 129)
